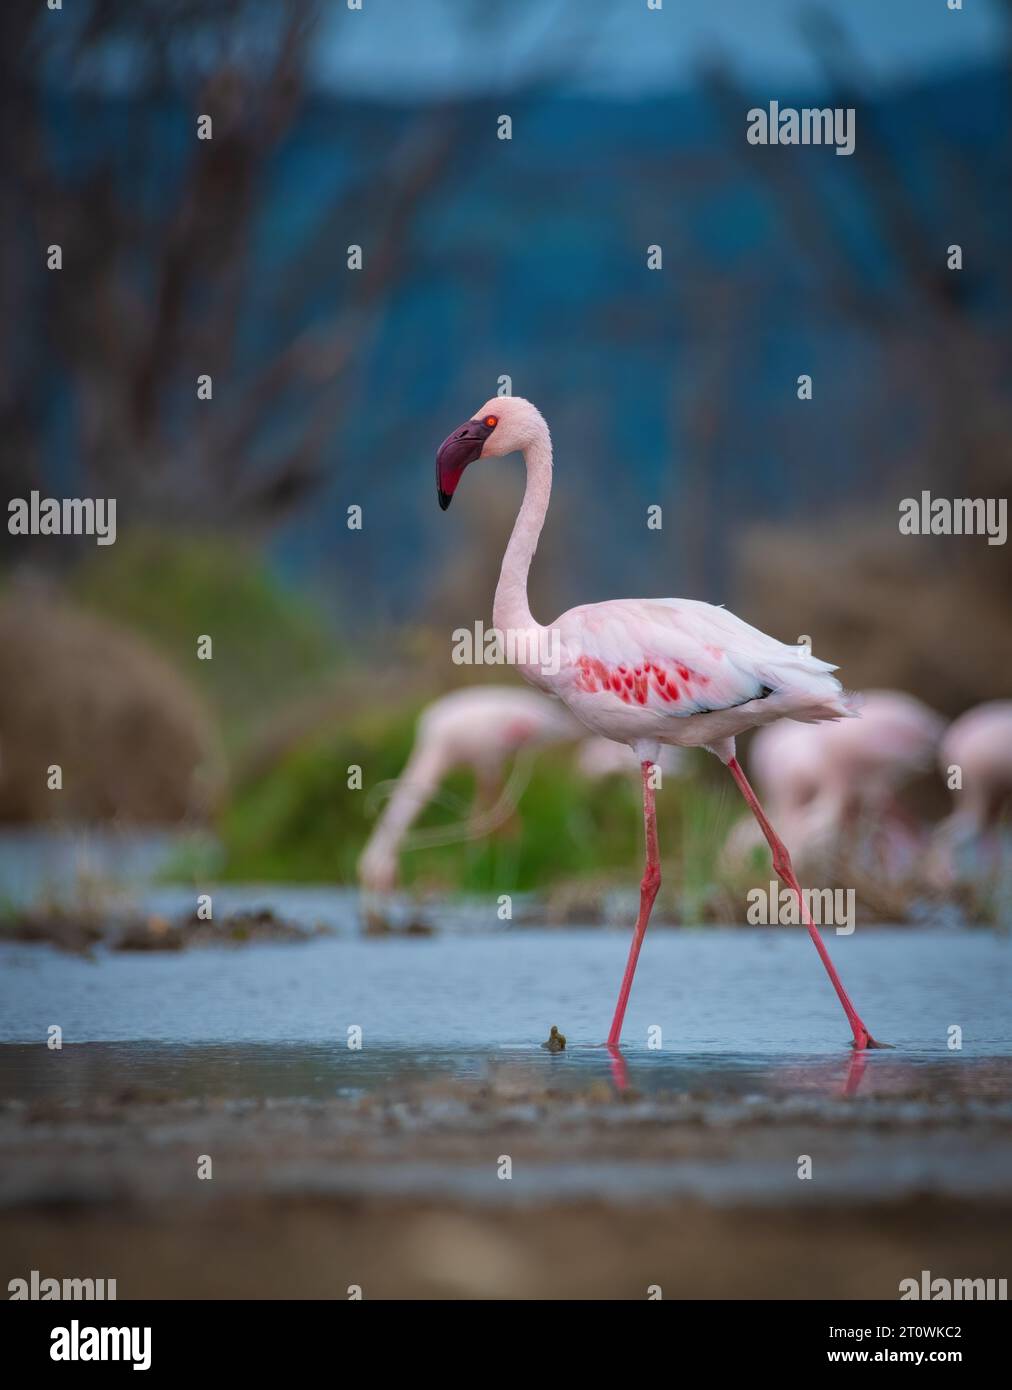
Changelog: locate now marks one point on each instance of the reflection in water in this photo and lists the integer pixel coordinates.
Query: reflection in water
(619, 1068)
(855, 1071)
(320, 1072)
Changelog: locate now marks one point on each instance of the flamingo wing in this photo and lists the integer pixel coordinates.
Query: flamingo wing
(681, 657)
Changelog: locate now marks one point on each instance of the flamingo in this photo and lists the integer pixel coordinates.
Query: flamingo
(826, 780)
(481, 728)
(645, 672)
(979, 743)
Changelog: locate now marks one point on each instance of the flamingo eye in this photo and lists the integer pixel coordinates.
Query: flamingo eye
(491, 421)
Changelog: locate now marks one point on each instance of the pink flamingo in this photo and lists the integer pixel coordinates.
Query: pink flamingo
(480, 728)
(645, 672)
(979, 743)
(828, 780)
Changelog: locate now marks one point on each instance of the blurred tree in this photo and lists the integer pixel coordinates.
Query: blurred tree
(158, 277)
(925, 614)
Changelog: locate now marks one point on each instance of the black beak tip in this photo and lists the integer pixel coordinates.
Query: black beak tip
(445, 498)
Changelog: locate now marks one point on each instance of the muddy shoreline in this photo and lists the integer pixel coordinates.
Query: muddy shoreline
(401, 1192)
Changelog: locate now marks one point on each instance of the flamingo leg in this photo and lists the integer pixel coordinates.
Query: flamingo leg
(783, 867)
(648, 892)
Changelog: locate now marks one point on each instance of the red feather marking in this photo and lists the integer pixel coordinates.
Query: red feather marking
(638, 682)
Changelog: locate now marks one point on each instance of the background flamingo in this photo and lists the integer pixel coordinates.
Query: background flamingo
(480, 728)
(833, 786)
(645, 672)
(979, 743)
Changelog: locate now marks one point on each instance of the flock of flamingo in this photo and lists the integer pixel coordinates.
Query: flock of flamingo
(649, 675)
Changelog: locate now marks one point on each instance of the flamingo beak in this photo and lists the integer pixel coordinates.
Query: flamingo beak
(457, 450)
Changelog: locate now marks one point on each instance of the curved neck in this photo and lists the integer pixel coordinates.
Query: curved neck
(511, 609)
(415, 787)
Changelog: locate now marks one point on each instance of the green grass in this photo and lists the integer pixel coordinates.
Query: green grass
(269, 643)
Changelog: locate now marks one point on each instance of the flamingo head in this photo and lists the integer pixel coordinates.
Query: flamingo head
(502, 426)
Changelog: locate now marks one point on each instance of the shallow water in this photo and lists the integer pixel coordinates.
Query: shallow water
(739, 993)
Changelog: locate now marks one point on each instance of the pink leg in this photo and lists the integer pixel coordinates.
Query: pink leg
(783, 867)
(648, 892)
